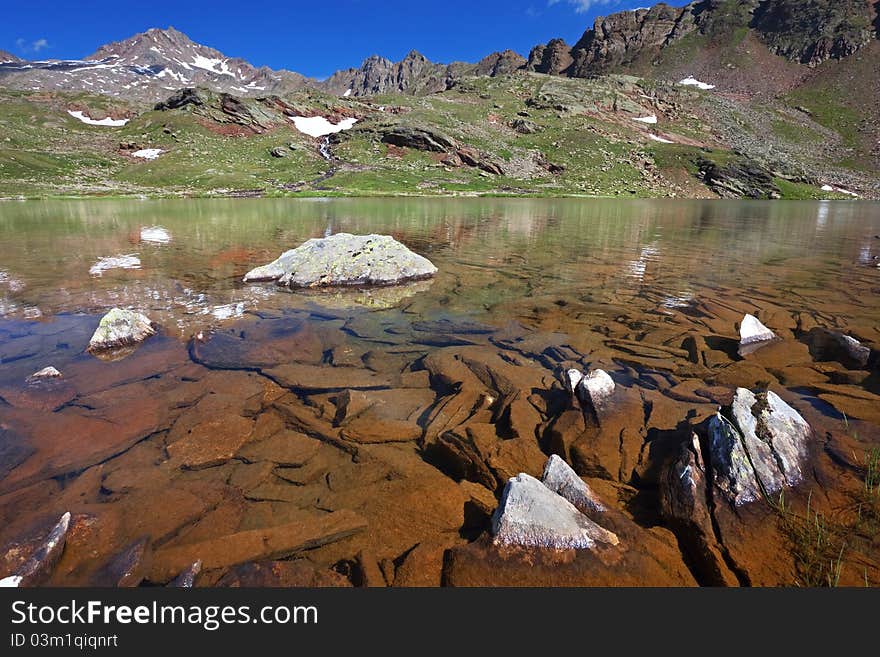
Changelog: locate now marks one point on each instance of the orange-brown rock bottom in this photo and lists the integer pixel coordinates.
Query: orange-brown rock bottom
(335, 445)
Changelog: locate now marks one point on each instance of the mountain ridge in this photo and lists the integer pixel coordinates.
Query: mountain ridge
(149, 64)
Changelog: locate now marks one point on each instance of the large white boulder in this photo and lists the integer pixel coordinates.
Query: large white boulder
(345, 259)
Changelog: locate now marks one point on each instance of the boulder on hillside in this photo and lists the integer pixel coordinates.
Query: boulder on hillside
(420, 139)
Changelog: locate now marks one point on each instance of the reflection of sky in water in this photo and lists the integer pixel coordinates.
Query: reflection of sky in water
(822, 214)
(638, 267)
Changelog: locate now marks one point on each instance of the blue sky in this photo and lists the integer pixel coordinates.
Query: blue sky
(314, 38)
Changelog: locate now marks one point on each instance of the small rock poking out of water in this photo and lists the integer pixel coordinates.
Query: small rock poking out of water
(562, 480)
(593, 389)
(155, 235)
(752, 331)
(345, 259)
(120, 328)
(44, 555)
(45, 373)
(758, 446)
(531, 515)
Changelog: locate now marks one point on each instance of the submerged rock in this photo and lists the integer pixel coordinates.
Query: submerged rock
(834, 345)
(751, 331)
(531, 515)
(187, 578)
(120, 328)
(759, 452)
(126, 569)
(562, 480)
(155, 235)
(45, 373)
(38, 566)
(345, 259)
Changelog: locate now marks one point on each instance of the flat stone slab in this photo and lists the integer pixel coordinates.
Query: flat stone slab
(276, 542)
(345, 259)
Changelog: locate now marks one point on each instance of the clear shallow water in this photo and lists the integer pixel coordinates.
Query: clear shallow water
(491, 253)
(617, 284)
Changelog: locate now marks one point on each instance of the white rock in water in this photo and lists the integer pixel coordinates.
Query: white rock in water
(762, 449)
(10, 582)
(562, 480)
(751, 331)
(596, 388)
(45, 373)
(119, 328)
(531, 515)
(130, 261)
(572, 379)
(345, 259)
(156, 235)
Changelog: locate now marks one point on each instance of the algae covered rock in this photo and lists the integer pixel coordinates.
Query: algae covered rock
(345, 259)
(120, 328)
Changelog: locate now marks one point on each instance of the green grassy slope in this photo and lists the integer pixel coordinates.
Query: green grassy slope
(586, 128)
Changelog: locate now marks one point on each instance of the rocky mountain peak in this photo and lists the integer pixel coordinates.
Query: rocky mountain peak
(8, 57)
(553, 58)
(500, 63)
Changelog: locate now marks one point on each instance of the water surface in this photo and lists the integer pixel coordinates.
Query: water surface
(651, 290)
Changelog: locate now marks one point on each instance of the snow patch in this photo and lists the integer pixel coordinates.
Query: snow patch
(214, 65)
(347, 93)
(148, 153)
(318, 126)
(691, 81)
(114, 123)
(662, 140)
(646, 119)
(839, 190)
(130, 261)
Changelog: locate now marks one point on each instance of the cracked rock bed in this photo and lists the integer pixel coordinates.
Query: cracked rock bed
(567, 402)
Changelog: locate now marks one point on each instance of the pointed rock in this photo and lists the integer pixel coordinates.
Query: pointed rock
(45, 373)
(128, 568)
(187, 578)
(531, 515)
(684, 504)
(751, 330)
(562, 480)
(38, 567)
(762, 450)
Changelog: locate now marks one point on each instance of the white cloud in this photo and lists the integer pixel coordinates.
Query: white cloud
(583, 6)
(32, 46)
